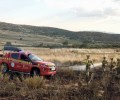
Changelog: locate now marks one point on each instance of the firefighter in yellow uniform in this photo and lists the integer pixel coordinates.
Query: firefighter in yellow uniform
(112, 64)
(118, 62)
(118, 66)
(88, 62)
(104, 64)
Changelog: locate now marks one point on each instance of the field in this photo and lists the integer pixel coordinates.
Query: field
(67, 84)
(73, 56)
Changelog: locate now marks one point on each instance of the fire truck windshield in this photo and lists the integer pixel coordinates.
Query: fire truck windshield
(34, 57)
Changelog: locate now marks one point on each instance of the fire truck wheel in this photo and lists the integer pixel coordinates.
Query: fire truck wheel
(49, 77)
(35, 72)
(4, 68)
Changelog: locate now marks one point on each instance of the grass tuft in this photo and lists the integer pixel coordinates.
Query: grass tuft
(35, 82)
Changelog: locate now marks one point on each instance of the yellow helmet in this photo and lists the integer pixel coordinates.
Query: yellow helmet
(111, 58)
(88, 56)
(118, 59)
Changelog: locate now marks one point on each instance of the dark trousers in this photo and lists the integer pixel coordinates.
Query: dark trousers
(12, 74)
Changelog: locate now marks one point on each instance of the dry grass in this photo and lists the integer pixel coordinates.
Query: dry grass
(62, 56)
(35, 82)
(67, 85)
(73, 55)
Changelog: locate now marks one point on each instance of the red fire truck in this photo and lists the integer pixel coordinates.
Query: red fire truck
(26, 63)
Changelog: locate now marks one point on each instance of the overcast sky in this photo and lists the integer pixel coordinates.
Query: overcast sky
(74, 15)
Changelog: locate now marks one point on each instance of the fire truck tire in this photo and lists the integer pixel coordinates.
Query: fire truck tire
(50, 77)
(4, 68)
(35, 72)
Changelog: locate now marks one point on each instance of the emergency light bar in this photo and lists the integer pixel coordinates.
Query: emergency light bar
(12, 49)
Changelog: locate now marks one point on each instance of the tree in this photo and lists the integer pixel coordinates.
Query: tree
(8, 44)
(65, 43)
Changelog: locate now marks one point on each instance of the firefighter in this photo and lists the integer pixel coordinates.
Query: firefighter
(7, 72)
(118, 66)
(3, 75)
(88, 63)
(4, 71)
(118, 62)
(112, 64)
(104, 63)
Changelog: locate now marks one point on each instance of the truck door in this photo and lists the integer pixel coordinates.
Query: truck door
(25, 63)
(14, 64)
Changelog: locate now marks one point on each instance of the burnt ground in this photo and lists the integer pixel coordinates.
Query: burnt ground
(66, 85)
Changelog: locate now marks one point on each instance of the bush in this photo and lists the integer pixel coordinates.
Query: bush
(65, 43)
(10, 87)
(8, 44)
(35, 82)
(21, 38)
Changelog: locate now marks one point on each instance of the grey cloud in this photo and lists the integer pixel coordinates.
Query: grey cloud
(84, 13)
(96, 13)
(111, 12)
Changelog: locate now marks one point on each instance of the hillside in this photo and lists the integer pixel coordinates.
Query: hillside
(48, 36)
